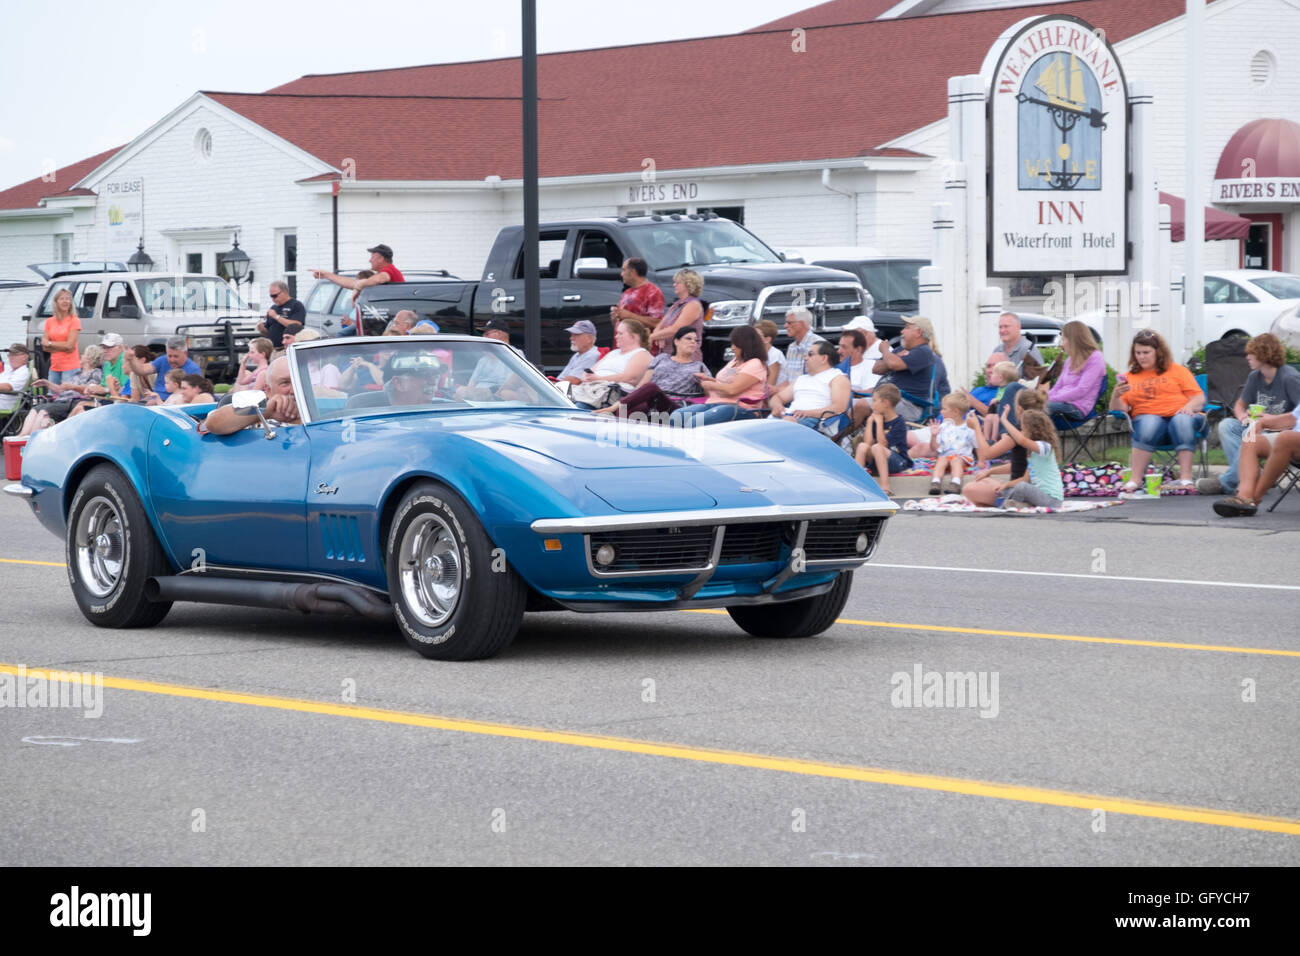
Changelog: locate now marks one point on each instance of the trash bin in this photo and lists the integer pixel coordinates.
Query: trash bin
(14, 456)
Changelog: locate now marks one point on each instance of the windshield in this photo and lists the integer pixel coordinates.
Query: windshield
(1280, 287)
(360, 377)
(894, 285)
(188, 294)
(690, 242)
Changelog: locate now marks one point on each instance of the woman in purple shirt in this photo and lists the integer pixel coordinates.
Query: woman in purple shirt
(1074, 395)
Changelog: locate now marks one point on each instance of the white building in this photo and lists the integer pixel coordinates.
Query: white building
(828, 127)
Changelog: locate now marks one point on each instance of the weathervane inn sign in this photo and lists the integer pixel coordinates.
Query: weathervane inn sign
(1058, 153)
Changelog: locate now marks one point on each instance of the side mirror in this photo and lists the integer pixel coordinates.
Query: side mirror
(248, 399)
(130, 311)
(595, 262)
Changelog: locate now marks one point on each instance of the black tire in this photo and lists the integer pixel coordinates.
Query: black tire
(111, 551)
(804, 618)
(471, 606)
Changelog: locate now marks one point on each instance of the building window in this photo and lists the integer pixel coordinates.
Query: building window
(289, 251)
(203, 145)
(1262, 67)
(735, 213)
(194, 263)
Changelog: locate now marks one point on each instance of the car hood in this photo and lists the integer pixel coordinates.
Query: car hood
(580, 442)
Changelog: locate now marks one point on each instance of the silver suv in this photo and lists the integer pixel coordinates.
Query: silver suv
(147, 308)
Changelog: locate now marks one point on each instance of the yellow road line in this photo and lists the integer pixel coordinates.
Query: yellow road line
(44, 564)
(811, 768)
(1077, 638)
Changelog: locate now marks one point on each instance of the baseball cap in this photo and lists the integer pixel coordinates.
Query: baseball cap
(111, 339)
(581, 327)
(19, 347)
(861, 322)
(922, 323)
(384, 250)
(499, 325)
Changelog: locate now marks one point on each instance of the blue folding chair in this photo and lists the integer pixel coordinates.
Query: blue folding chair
(929, 405)
(1093, 421)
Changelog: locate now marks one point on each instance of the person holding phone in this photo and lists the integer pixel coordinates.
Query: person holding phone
(582, 342)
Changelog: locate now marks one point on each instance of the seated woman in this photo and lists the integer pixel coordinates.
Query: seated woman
(619, 372)
(669, 382)
(1075, 393)
(1164, 401)
(737, 391)
(74, 388)
(195, 390)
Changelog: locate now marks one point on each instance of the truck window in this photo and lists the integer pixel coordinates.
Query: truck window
(84, 298)
(119, 294)
(321, 296)
(47, 307)
(549, 252)
(599, 245)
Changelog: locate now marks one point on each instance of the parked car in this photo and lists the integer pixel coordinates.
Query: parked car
(452, 515)
(327, 304)
(1287, 327)
(894, 285)
(147, 308)
(580, 265)
(1239, 302)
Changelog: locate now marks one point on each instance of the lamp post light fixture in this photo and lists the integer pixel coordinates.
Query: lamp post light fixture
(237, 264)
(140, 261)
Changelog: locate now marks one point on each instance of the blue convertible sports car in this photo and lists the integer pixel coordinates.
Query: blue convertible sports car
(443, 482)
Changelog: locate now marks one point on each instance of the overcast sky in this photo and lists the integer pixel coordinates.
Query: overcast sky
(80, 77)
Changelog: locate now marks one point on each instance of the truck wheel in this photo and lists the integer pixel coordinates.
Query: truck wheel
(112, 551)
(803, 618)
(455, 598)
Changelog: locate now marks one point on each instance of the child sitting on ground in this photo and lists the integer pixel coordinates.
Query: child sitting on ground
(954, 442)
(1043, 487)
(884, 443)
(984, 487)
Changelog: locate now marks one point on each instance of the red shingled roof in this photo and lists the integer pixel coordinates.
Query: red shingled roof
(715, 101)
(705, 102)
(27, 195)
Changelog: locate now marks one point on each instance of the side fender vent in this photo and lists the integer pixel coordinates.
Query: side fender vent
(341, 538)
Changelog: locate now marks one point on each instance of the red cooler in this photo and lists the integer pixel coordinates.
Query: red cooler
(14, 457)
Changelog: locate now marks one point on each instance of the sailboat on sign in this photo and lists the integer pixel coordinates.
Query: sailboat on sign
(1062, 90)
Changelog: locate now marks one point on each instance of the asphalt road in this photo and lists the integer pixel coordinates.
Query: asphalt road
(1125, 720)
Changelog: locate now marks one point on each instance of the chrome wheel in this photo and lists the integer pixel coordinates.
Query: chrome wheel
(429, 565)
(100, 544)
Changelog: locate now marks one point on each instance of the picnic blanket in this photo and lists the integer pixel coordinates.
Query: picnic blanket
(958, 504)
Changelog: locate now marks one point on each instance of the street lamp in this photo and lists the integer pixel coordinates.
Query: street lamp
(237, 263)
(140, 261)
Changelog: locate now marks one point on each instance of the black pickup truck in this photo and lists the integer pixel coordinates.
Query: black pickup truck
(580, 263)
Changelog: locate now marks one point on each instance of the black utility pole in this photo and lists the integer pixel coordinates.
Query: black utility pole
(532, 280)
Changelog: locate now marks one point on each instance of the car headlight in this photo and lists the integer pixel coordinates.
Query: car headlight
(200, 343)
(731, 312)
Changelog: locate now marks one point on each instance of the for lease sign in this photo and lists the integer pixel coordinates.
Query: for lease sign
(1058, 151)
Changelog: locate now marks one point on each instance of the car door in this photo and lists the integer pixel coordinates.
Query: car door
(591, 298)
(118, 311)
(503, 297)
(230, 500)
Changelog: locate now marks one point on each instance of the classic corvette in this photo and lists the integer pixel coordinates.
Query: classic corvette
(444, 482)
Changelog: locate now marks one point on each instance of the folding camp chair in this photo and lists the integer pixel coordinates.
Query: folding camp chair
(1085, 429)
(1287, 483)
(1226, 371)
(1168, 454)
(929, 405)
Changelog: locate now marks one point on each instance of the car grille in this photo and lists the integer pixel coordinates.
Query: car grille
(654, 549)
(757, 542)
(660, 550)
(836, 539)
(840, 305)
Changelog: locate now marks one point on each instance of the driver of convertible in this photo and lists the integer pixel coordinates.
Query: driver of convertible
(281, 406)
(411, 384)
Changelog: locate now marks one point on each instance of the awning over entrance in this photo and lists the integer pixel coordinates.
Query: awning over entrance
(1260, 165)
(1218, 224)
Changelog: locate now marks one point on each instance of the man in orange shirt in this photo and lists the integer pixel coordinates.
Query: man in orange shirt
(1164, 401)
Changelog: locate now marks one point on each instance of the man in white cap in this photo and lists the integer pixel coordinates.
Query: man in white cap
(114, 349)
(15, 378)
(859, 351)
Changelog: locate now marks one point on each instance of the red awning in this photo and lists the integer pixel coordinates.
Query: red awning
(1262, 149)
(1218, 224)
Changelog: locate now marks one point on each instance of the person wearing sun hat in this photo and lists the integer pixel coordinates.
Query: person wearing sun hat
(910, 368)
